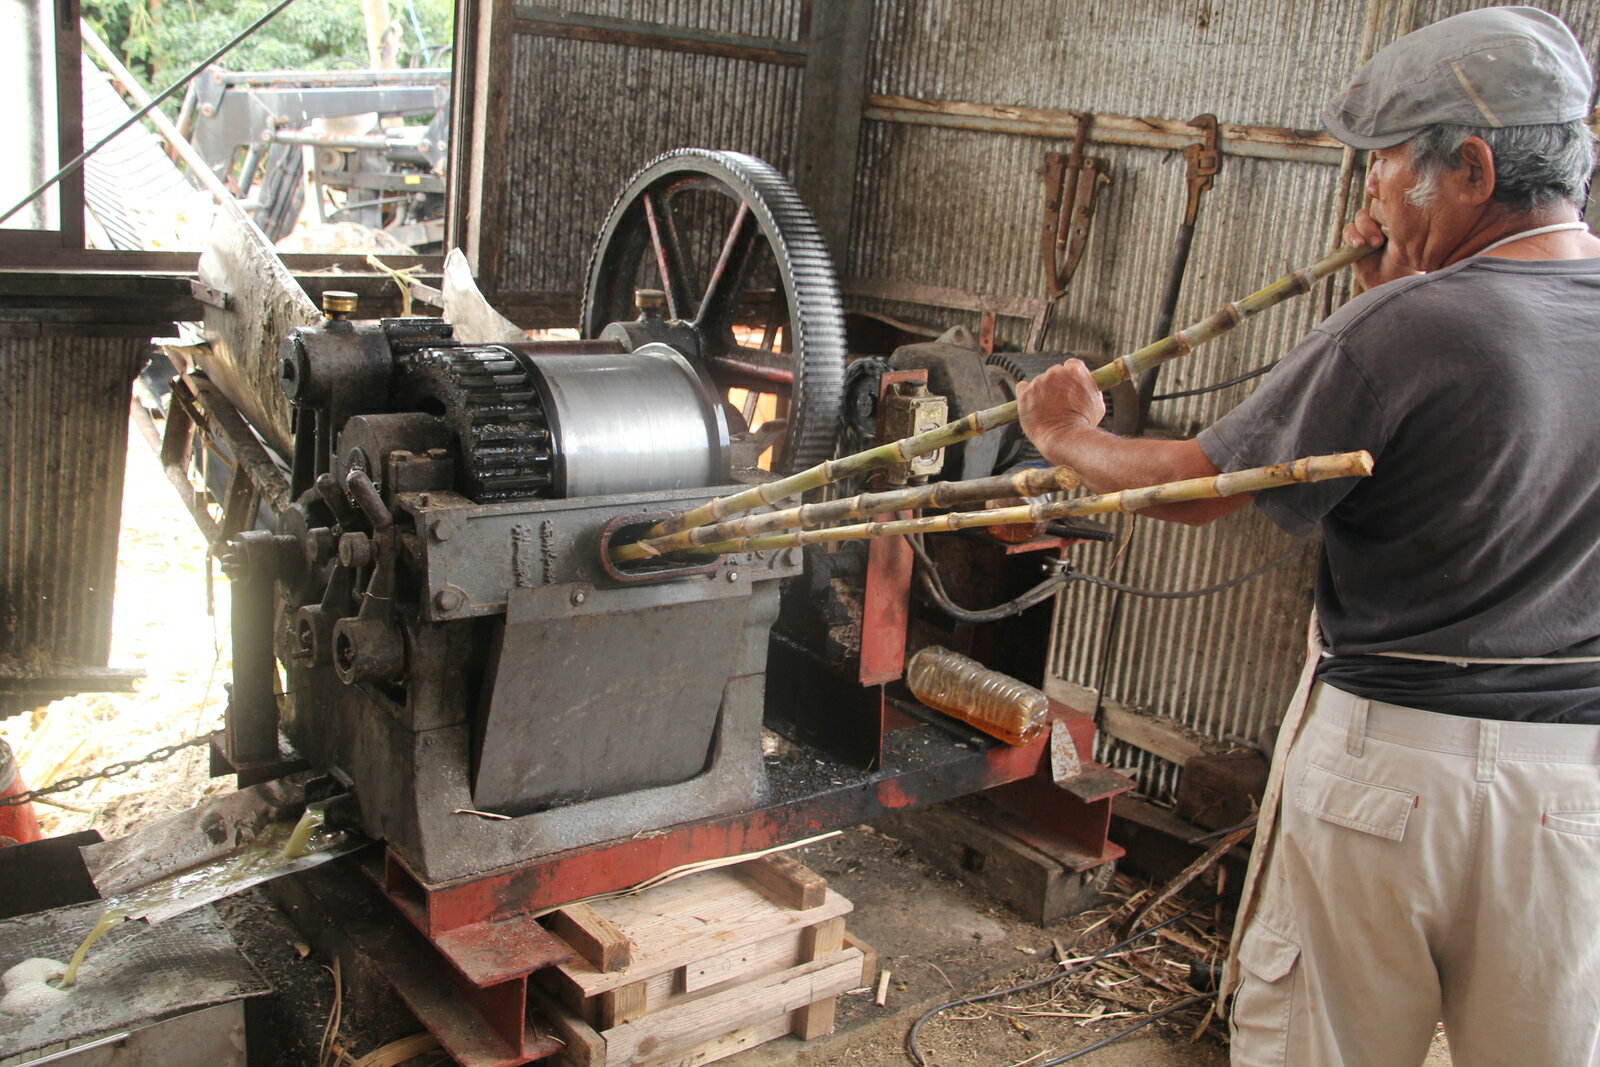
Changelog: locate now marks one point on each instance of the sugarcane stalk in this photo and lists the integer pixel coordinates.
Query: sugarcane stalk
(1033, 481)
(906, 449)
(1230, 315)
(1256, 479)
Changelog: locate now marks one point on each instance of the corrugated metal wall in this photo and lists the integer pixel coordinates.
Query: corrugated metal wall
(584, 116)
(960, 208)
(63, 435)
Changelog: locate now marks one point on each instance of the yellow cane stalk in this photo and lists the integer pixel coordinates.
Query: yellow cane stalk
(1118, 370)
(1033, 481)
(1254, 480)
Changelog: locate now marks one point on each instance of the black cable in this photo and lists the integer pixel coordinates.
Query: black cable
(911, 1036)
(1224, 832)
(1245, 377)
(928, 574)
(1185, 594)
(143, 111)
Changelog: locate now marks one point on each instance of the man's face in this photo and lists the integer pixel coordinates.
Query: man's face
(1389, 177)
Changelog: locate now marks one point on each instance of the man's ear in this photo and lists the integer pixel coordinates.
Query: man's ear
(1475, 176)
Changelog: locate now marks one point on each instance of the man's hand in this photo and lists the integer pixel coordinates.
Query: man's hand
(1062, 399)
(1387, 265)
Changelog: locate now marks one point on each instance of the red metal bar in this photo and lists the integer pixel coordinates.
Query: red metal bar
(566, 876)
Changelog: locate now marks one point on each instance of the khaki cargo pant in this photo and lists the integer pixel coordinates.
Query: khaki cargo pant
(1427, 867)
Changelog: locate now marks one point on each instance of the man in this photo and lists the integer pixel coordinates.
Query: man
(1437, 848)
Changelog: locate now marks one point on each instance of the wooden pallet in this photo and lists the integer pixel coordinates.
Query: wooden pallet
(701, 968)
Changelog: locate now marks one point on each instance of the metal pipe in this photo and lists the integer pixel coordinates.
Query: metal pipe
(420, 76)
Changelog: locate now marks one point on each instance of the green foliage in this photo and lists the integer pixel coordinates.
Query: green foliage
(162, 39)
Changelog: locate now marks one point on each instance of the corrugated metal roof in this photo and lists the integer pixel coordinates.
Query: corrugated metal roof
(63, 426)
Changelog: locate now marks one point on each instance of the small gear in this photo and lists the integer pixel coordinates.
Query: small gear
(488, 400)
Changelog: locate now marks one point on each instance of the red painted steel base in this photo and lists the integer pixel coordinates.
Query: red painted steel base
(482, 930)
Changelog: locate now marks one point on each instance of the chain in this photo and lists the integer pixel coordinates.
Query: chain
(161, 754)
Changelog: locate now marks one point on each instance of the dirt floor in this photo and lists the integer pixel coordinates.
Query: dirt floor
(937, 939)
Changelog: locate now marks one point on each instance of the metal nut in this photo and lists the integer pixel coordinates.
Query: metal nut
(578, 597)
(355, 550)
(733, 576)
(449, 599)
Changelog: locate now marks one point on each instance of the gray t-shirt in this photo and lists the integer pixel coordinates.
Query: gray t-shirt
(1476, 390)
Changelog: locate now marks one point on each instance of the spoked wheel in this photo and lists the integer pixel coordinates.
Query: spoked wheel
(738, 255)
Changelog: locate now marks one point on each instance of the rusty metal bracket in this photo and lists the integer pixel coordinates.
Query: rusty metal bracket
(1204, 160)
(1072, 184)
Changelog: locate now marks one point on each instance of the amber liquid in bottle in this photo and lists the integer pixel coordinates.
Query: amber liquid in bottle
(995, 703)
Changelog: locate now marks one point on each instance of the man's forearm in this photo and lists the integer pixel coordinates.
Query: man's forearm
(1108, 463)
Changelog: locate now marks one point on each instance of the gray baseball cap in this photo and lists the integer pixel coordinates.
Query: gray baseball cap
(1499, 66)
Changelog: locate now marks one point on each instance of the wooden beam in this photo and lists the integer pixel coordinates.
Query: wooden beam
(1261, 142)
(827, 139)
(544, 21)
(1157, 734)
(784, 880)
(592, 936)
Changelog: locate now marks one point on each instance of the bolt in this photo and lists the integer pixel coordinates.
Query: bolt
(449, 599)
(733, 576)
(207, 110)
(442, 531)
(425, 500)
(578, 597)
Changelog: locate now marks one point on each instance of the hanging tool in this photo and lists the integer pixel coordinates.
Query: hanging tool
(1072, 183)
(1203, 160)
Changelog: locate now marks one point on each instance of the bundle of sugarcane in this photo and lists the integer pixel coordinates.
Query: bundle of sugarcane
(1033, 481)
(1255, 479)
(1118, 370)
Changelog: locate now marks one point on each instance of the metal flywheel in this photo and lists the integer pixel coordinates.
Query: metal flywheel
(739, 257)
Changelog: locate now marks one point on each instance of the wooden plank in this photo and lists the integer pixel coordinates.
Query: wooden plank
(828, 134)
(869, 956)
(757, 1033)
(787, 881)
(1263, 142)
(672, 925)
(1222, 790)
(678, 1029)
(1037, 885)
(623, 1005)
(1156, 734)
(748, 962)
(1015, 307)
(593, 936)
(546, 21)
(584, 1046)
(818, 942)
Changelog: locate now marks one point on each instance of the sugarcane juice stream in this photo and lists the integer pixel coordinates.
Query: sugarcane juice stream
(277, 847)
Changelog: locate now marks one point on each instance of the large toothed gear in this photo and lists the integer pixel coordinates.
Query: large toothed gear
(736, 222)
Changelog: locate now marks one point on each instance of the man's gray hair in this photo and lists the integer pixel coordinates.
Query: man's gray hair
(1535, 167)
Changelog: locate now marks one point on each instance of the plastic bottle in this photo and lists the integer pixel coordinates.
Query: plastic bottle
(995, 703)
